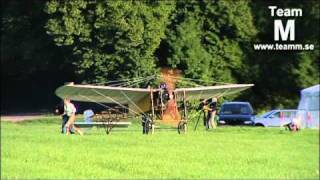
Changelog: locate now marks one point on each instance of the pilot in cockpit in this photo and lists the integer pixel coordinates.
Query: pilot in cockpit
(164, 93)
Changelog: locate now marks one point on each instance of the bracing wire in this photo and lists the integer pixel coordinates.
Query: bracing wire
(135, 80)
(183, 81)
(199, 80)
(126, 82)
(101, 104)
(144, 80)
(121, 81)
(199, 96)
(115, 101)
(133, 102)
(189, 82)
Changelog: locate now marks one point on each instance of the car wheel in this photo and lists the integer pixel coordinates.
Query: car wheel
(259, 125)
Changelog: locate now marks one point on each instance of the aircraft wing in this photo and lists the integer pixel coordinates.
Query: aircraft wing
(136, 98)
(206, 92)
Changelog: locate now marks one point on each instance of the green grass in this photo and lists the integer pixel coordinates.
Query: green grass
(36, 149)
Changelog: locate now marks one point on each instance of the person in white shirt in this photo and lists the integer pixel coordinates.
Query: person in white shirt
(70, 111)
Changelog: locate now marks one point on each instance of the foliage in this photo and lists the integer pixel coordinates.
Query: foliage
(112, 39)
(282, 74)
(32, 66)
(204, 39)
(46, 43)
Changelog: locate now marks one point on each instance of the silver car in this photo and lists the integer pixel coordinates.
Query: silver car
(276, 118)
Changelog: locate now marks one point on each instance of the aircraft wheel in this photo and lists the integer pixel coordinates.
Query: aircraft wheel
(152, 128)
(147, 126)
(182, 127)
(108, 129)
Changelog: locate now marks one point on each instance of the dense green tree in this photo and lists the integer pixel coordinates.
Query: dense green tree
(282, 74)
(205, 39)
(111, 39)
(211, 40)
(32, 66)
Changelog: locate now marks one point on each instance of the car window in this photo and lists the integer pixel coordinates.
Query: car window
(286, 114)
(276, 115)
(236, 109)
(266, 114)
(244, 110)
(289, 114)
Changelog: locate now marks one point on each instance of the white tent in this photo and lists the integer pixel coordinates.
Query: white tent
(308, 109)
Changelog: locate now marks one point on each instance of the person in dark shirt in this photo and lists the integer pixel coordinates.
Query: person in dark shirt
(59, 109)
(201, 107)
(210, 109)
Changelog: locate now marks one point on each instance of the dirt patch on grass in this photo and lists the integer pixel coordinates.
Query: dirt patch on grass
(22, 117)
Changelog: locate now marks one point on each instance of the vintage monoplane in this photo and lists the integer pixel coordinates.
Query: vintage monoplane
(164, 103)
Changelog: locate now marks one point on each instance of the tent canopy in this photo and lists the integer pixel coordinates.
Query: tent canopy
(311, 91)
(308, 109)
(310, 98)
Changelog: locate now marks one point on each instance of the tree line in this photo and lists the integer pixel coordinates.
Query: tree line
(46, 43)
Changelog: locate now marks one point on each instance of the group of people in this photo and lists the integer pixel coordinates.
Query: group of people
(68, 113)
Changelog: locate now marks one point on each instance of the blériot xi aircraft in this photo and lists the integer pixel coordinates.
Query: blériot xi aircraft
(155, 104)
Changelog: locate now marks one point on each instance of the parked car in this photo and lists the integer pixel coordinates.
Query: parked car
(275, 118)
(236, 113)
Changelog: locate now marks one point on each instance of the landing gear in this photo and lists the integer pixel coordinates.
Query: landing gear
(159, 104)
(182, 127)
(146, 124)
(108, 128)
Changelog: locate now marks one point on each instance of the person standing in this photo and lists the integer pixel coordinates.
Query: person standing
(210, 109)
(212, 112)
(203, 108)
(70, 112)
(59, 109)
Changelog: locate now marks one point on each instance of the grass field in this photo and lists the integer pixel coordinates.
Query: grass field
(36, 149)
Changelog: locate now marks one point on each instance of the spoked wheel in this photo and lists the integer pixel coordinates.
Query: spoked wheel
(147, 127)
(182, 127)
(107, 126)
(108, 129)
